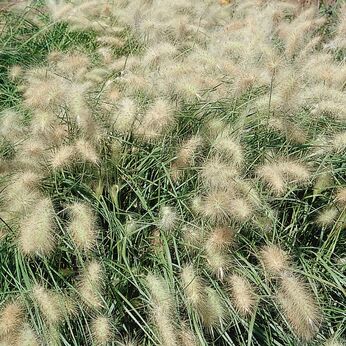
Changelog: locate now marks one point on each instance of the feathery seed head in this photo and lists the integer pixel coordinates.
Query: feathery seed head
(168, 218)
(186, 336)
(186, 154)
(11, 316)
(327, 217)
(299, 307)
(220, 238)
(90, 285)
(27, 336)
(338, 142)
(82, 226)
(36, 234)
(49, 303)
(86, 151)
(157, 120)
(227, 147)
(281, 174)
(242, 293)
(125, 117)
(216, 173)
(101, 330)
(341, 197)
(163, 309)
(63, 157)
(274, 260)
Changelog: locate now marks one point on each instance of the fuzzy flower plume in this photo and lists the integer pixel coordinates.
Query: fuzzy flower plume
(168, 218)
(22, 192)
(11, 316)
(50, 304)
(243, 294)
(220, 206)
(274, 260)
(202, 299)
(281, 174)
(63, 157)
(163, 310)
(186, 155)
(299, 307)
(90, 285)
(101, 330)
(36, 231)
(82, 227)
(124, 118)
(158, 119)
(216, 246)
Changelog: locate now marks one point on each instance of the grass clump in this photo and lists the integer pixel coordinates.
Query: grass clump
(172, 173)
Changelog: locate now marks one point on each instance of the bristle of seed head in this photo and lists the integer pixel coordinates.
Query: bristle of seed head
(50, 304)
(204, 300)
(162, 310)
(101, 330)
(90, 285)
(11, 316)
(274, 260)
(168, 218)
(243, 294)
(36, 231)
(82, 227)
(299, 307)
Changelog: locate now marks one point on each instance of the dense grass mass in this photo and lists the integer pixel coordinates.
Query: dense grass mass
(172, 173)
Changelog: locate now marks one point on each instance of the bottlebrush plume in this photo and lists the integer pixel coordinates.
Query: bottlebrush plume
(335, 342)
(63, 157)
(10, 125)
(27, 336)
(11, 316)
(279, 175)
(287, 129)
(101, 330)
(15, 72)
(50, 304)
(86, 152)
(168, 218)
(156, 121)
(218, 262)
(90, 285)
(299, 307)
(274, 260)
(186, 336)
(338, 142)
(163, 310)
(216, 245)
(125, 117)
(220, 206)
(216, 173)
(327, 217)
(243, 294)
(186, 154)
(156, 53)
(202, 299)
(192, 236)
(340, 197)
(220, 238)
(83, 226)
(229, 148)
(22, 192)
(36, 231)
